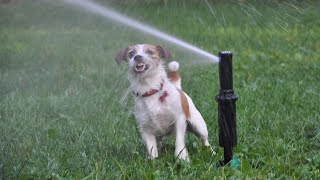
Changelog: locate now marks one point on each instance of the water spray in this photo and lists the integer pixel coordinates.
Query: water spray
(117, 17)
(226, 107)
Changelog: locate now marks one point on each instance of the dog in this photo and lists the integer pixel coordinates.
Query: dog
(160, 106)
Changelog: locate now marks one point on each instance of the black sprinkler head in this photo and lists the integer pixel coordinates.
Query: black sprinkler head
(226, 107)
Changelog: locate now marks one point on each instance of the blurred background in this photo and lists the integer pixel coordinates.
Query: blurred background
(66, 110)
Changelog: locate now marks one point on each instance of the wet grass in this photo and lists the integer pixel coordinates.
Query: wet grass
(64, 112)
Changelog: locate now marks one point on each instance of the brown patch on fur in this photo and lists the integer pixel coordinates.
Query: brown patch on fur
(185, 104)
(121, 56)
(151, 50)
(163, 53)
(173, 76)
(149, 47)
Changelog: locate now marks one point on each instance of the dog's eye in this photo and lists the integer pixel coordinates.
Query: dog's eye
(149, 52)
(131, 54)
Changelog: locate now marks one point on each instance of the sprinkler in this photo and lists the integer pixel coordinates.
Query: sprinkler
(226, 107)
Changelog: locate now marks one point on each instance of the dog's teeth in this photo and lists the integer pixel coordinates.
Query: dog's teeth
(140, 67)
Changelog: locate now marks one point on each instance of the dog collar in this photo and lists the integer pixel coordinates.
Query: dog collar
(154, 91)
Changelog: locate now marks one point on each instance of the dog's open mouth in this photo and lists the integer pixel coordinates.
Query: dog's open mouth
(141, 67)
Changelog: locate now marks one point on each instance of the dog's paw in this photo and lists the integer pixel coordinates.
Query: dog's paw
(153, 155)
(206, 142)
(183, 154)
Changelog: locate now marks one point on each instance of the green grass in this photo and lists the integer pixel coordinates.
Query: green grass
(64, 113)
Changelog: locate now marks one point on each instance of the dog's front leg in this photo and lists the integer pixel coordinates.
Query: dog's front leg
(181, 150)
(151, 143)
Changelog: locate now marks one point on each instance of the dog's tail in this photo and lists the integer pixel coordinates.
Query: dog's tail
(173, 74)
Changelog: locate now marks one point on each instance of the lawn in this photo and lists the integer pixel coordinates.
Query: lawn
(66, 110)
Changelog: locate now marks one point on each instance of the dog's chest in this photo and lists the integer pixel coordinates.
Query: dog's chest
(155, 114)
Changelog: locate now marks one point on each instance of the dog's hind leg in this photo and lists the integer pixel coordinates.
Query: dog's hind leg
(196, 123)
(181, 150)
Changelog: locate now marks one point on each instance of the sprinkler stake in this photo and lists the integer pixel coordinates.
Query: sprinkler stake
(226, 107)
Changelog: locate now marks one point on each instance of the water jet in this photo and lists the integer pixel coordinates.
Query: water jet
(115, 16)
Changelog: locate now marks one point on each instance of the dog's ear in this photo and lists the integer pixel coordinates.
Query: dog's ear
(121, 56)
(164, 53)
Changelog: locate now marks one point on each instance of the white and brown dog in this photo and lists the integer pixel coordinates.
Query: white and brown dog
(160, 107)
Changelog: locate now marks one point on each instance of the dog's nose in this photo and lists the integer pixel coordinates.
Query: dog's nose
(138, 58)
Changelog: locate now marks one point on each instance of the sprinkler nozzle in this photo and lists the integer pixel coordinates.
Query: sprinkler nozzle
(226, 107)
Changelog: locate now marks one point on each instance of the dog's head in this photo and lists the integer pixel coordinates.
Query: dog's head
(142, 58)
